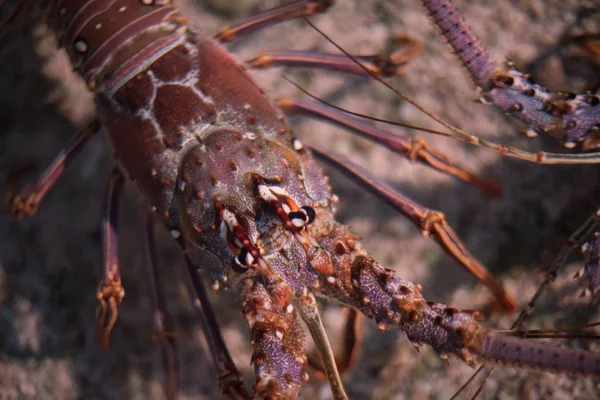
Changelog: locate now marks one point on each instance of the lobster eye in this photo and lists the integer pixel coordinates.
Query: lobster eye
(298, 218)
(310, 213)
(242, 262)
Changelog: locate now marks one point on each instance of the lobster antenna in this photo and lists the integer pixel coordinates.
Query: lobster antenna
(480, 388)
(368, 117)
(464, 386)
(464, 135)
(532, 334)
(540, 157)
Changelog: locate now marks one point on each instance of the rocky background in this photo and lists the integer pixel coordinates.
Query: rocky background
(49, 264)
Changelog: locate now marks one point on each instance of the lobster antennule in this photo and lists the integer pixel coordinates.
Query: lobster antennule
(518, 352)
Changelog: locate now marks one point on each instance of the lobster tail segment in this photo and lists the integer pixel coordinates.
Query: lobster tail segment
(524, 353)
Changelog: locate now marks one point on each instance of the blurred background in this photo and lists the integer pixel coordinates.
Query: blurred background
(49, 263)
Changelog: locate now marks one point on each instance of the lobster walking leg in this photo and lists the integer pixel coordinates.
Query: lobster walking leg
(27, 201)
(163, 322)
(416, 150)
(291, 10)
(231, 382)
(110, 290)
(379, 65)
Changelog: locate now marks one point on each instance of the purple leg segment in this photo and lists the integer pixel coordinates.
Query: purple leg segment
(292, 10)
(26, 202)
(230, 379)
(378, 65)
(110, 290)
(163, 322)
(417, 150)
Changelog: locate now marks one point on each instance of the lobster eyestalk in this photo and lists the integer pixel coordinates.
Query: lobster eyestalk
(352, 277)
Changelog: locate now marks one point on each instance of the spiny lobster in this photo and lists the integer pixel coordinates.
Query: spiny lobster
(273, 199)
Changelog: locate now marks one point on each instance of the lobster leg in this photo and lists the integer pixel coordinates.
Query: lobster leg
(26, 202)
(163, 322)
(273, 16)
(277, 338)
(230, 379)
(110, 290)
(377, 65)
(431, 223)
(413, 149)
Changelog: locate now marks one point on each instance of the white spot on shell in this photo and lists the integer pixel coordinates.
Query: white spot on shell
(298, 145)
(530, 133)
(569, 144)
(331, 279)
(249, 259)
(355, 283)
(279, 334)
(175, 233)
(122, 9)
(81, 46)
(265, 193)
(250, 136)
(147, 2)
(298, 222)
(216, 285)
(585, 247)
(98, 26)
(278, 190)
(289, 308)
(229, 219)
